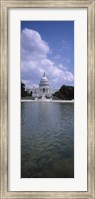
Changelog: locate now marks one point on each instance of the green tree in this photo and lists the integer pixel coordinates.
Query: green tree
(22, 89)
(65, 93)
(24, 93)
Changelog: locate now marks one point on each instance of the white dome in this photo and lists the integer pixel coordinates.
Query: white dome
(44, 81)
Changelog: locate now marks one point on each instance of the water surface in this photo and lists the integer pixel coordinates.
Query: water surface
(47, 140)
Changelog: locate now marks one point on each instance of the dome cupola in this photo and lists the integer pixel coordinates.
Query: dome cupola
(44, 81)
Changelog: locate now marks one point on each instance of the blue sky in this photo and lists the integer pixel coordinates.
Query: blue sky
(47, 46)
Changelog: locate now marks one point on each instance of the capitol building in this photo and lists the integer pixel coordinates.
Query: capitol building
(44, 90)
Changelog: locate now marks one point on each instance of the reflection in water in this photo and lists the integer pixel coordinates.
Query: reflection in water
(47, 140)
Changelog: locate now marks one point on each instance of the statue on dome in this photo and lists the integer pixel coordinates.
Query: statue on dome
(44, 74)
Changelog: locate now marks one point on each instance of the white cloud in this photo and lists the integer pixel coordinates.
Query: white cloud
(33, 47)
(65, 45)
(34, 61)
(57, 57)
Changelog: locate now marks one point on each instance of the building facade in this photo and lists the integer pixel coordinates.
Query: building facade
(43, 90)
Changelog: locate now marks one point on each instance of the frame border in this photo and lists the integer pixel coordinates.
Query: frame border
(4, 6)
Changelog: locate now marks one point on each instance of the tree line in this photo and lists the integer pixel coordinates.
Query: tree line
(24, 93)
(65, 93)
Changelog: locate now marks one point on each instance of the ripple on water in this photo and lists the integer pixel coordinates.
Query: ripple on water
(47, 140)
